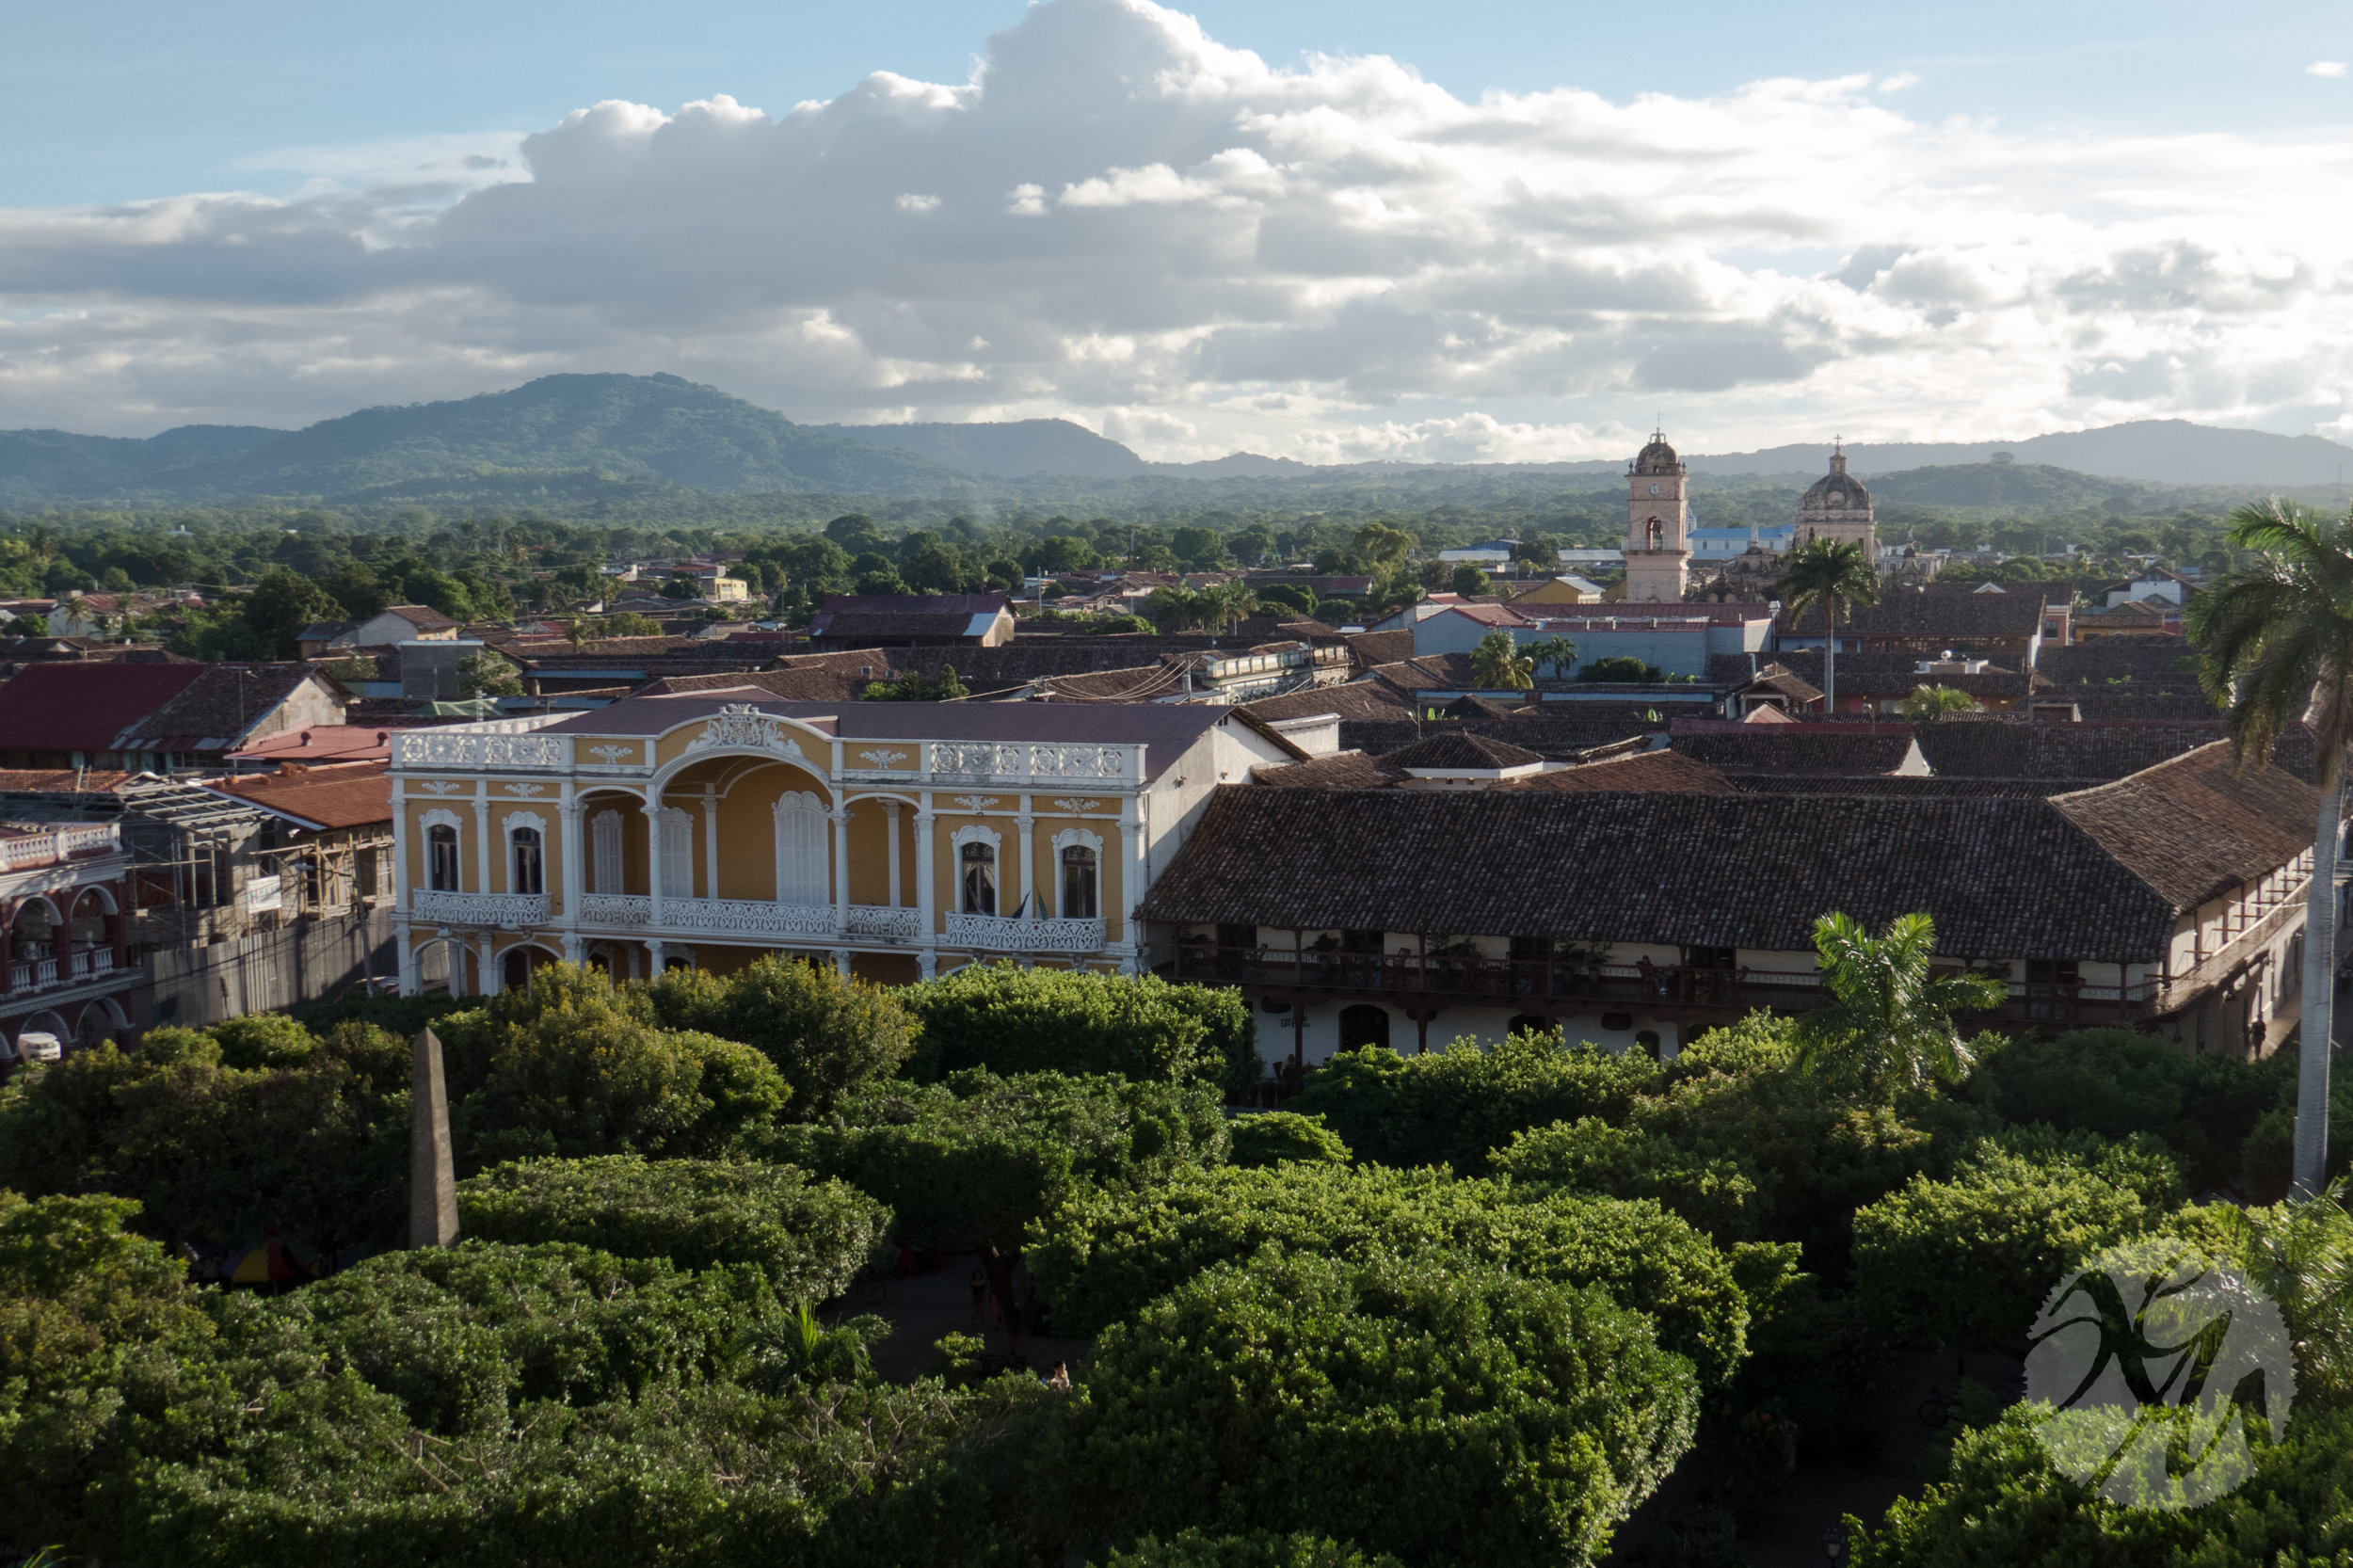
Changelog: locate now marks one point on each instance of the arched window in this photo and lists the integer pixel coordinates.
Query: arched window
(1079, 901)
(1364, 1025)
(802, 876)
(530, 873)
(441, 857)
(978, 864)
(605, 832)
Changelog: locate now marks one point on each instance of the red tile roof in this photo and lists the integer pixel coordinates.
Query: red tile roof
(322, 743)
(61, 707)
(355, 795)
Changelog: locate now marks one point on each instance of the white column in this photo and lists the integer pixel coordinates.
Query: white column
(842, 962)
(653, 958)
(482, 832)
(401, 878)
(652, 811)
(711, 841)
(1135, 829)
(575, 858)
(840, 816)
(575, 948)
(890, 811)
(489, 964)
(926, 884)
(1029, 858)
(405, 956)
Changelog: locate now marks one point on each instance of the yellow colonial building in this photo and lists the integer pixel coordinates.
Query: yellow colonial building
(711, 827)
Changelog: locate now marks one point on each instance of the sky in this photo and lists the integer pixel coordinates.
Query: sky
(1495, 230)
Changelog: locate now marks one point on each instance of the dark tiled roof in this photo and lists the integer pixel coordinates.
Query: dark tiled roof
(1641, 772)
(2095, 663)
(2026, 750)
(1380, 647)
(916, 605)
(2002, 878)
(1908, 786)
(423, 616)
(218, 706)
(83, 707)
(2178, 698)
(1361, 699)
(1904, 613)
(1346, 770)
(1557, 737)
(1458, 750)
(2197, 826)
(793, 685)
(1445, 672)
(1771, 748)
(1885, 674)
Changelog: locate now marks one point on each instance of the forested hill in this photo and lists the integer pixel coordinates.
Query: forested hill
(632, 428)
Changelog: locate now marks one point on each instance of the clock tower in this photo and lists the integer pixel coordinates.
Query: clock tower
(1657, 518)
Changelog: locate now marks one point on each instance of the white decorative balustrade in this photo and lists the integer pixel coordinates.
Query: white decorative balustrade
(44, 847)
(73, 969)
(753, 919)
(501, 743)
(989, 760)
(1006, 933)
(501, 909)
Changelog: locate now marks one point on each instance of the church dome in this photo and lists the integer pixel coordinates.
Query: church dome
(1836, 490)
(1658, 458)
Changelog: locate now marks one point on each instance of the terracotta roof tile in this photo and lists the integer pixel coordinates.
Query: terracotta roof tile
(355, 795)
(84, 707)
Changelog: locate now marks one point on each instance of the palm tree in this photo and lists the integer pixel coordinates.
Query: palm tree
(580, 634)
(1889, 1024)
(2301, 1255)
(1555, 653)
(2278, 644)
(1498, 664)
(1833, 576)
(1929, 702)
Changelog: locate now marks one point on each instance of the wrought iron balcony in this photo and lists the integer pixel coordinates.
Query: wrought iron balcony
(1007, 933)
(494, 909)
(752, 919)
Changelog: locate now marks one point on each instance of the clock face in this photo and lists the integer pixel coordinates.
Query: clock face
(1653, 489)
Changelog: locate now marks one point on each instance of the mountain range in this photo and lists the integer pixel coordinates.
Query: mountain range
(635, 434)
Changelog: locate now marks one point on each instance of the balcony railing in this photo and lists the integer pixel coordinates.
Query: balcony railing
(1539, 984)
(1006, 933)
(499, 909)
(75, 968)
(757, 919)
(20, 847)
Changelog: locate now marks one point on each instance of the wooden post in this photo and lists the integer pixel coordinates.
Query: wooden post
(432, 1175)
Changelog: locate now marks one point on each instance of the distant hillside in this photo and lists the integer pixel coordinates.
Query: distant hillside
(640, 429)
(2151, 451)
(2011, 487)
(1014, 450)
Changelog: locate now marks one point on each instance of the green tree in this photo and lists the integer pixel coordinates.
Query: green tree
(827, 1034)
(1621, 669)
(1452, 1107)
(1013, 1020)
(810, 1237)
(1933, 702)
(1194, 1549)
(2278, 640)
(1271, 1137)
(967, 1166)
(1100, 1256)
(1831, 576)
(1498, 664)
(1718, 1195)
(279, 606)
(1555, 653)
(1469, 581)
(488, 674)
(1440, 1414)
(1966, 1263)
(2301, 1255)
(1889, 1021)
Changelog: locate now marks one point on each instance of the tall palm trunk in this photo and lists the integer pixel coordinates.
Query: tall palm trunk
(2315, 1027)
(1829, 656)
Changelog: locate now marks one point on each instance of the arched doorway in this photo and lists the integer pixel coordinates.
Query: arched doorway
(1364, 1025)
(517, 965)
(36, 941)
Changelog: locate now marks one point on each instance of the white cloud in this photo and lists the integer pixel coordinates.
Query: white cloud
(1128, 223)
(2324, 68)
